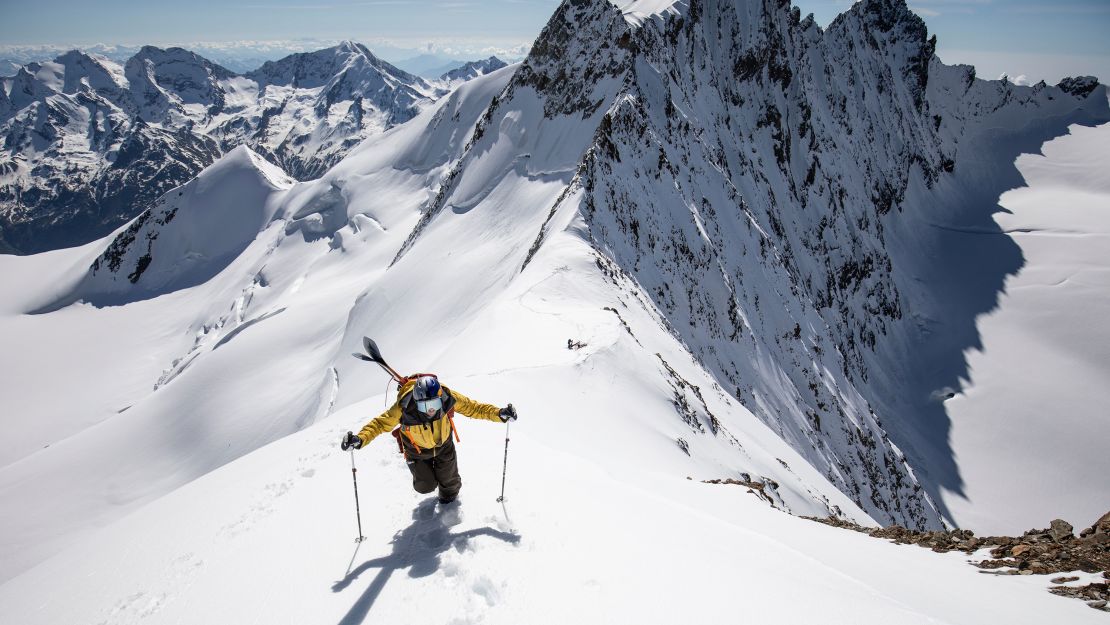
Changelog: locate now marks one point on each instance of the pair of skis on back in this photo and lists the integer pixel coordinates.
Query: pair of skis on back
(373, 354)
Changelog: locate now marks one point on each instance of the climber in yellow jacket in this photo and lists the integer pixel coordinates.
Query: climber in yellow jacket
(425, 412)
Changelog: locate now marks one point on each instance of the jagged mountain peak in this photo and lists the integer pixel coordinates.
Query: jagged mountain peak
(353, 47)
(68, 73)
(474, 69)
(883, 14)
(162, 81)
(28, 86)
(178, 59)
(318, 68)
(639, 11)
(96, 71)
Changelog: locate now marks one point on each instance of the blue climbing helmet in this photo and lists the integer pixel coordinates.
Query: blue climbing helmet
(428, 395)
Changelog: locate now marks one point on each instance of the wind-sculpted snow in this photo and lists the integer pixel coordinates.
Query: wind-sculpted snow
(540, 126)
(221, 212)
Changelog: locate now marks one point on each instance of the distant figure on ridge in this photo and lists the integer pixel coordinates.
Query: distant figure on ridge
(422, 421)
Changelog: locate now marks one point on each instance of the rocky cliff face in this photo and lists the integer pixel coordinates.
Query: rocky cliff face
(88, 144)
(751, 178)
(747, 181)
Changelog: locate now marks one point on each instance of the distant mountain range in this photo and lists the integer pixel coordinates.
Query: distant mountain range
(88, 143)
(247, 55)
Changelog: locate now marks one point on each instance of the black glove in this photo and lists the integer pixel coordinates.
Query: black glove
(350, 440)
(508, 413)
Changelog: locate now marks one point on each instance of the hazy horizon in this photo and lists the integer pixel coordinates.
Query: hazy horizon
(1024, 39)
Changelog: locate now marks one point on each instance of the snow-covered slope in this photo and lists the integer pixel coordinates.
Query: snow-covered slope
(89, 144)
(723, 203)
(262, 348)
(1029, 426)
(270, 538)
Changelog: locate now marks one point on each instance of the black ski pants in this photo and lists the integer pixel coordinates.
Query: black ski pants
(436, 468)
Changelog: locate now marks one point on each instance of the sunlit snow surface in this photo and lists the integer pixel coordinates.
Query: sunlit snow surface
(1028, 429)
(588, 530)
(270, 539)
(173, 453)
(120, 404)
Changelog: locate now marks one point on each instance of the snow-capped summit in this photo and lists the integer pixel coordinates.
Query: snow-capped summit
(168, 81)
(191, 233)
(347, 92)
(472, 70)
(310, 70)
(69, 74)
(96, 72)
(346, 73)
(27, 87)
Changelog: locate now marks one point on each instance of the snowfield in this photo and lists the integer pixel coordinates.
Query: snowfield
(661, 310)
(270, 538)
(1031, 430)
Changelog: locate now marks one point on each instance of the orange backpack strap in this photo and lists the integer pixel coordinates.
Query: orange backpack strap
(451, 419)
(412, 439)
(397, 431)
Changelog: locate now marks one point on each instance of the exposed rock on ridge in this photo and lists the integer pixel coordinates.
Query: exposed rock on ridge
(744, 171)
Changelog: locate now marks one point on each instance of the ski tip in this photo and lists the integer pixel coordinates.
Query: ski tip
(372, 349)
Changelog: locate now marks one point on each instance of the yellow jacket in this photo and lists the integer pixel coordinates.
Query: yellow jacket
(431, 435)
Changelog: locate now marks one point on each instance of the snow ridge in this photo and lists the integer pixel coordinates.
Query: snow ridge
(742, 175)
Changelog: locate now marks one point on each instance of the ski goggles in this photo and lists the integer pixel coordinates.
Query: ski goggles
(430, 406)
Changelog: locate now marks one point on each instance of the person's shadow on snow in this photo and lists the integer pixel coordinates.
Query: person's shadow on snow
(417, 548)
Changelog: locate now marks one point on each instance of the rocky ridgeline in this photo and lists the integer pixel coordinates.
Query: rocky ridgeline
(766, 489)
(758, 181)
(1036, 552)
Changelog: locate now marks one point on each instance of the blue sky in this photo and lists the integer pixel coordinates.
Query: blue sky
(1035, 38)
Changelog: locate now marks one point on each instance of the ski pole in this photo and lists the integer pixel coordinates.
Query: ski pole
(358, 513)
(504, 463)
